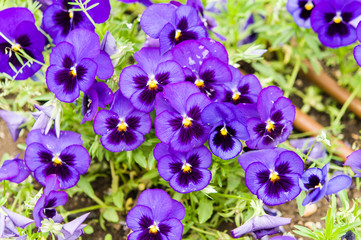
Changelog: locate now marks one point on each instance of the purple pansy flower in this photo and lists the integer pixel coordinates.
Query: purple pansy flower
(242, 89)
(304, 144)
(186, 172)
(122, 127)
(178, 121)
(98, 95)
(172, 25)
(357, 49)
(14, 122)
(74, 64)
(354, 161)
(261, 226)
(60, 18)
(18, 26)
(205, 64)
(331, 20)
(64, 156)
(272, 174)
(45, 117)
(301, 11)
(73, 229)
(274, 125)
(10, 221)
(228, 128)
(316, 182)
(156, 216)
(140, 83)
(283, 238)
(52, 198)
(349, 236)
(14, 170)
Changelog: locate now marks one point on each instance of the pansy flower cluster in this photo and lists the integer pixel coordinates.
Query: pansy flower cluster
(184, 80)
(332, 20)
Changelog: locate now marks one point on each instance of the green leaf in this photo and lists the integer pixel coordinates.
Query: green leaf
(88, 229)
(344, 199)
(299, 200)
(151, 160)
(86, 187)
(140, 159)
(204, 210)
(111, 215)
(108, 237)
(118, 199)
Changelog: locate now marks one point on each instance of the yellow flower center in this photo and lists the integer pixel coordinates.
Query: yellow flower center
(236, 96)
(274, 176)
(57, 161)
(187, 122)
(152, 84)
(72, 72)
(153, 229)
(319, 186)
(309, 6)
(224, 131)
(199, 83)
(178, 34)
(16, 47)
(187, 168)
(71, 14)
(122, 126)
(270, 126)
(337, 19)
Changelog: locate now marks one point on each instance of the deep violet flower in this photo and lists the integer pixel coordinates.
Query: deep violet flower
(141, 82)
(272, 174)
(14, 170)
(52, 198)
(243, 89)
(301, 11)
(228, 128)
(316, 182)
(64, 156)
(349, 236)
(274, 125)
(122, 127)
(156, 216)
(18, 26)
(178, 121)
(74, 64)
(98, 95)
(261, 226)
(14, 122)
(73, 229)
(354, 161)
(331, 20)
(304, 144)
(60, 18)
(172, 25)
(186, 172)
(205, 64)
(9, 221)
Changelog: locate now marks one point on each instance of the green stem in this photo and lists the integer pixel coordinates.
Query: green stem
(232, 196)
(16, 199)
(293, 77)
(203, 231)
(86, 209)
(115, 177)
(309, 151)
(345, 106)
